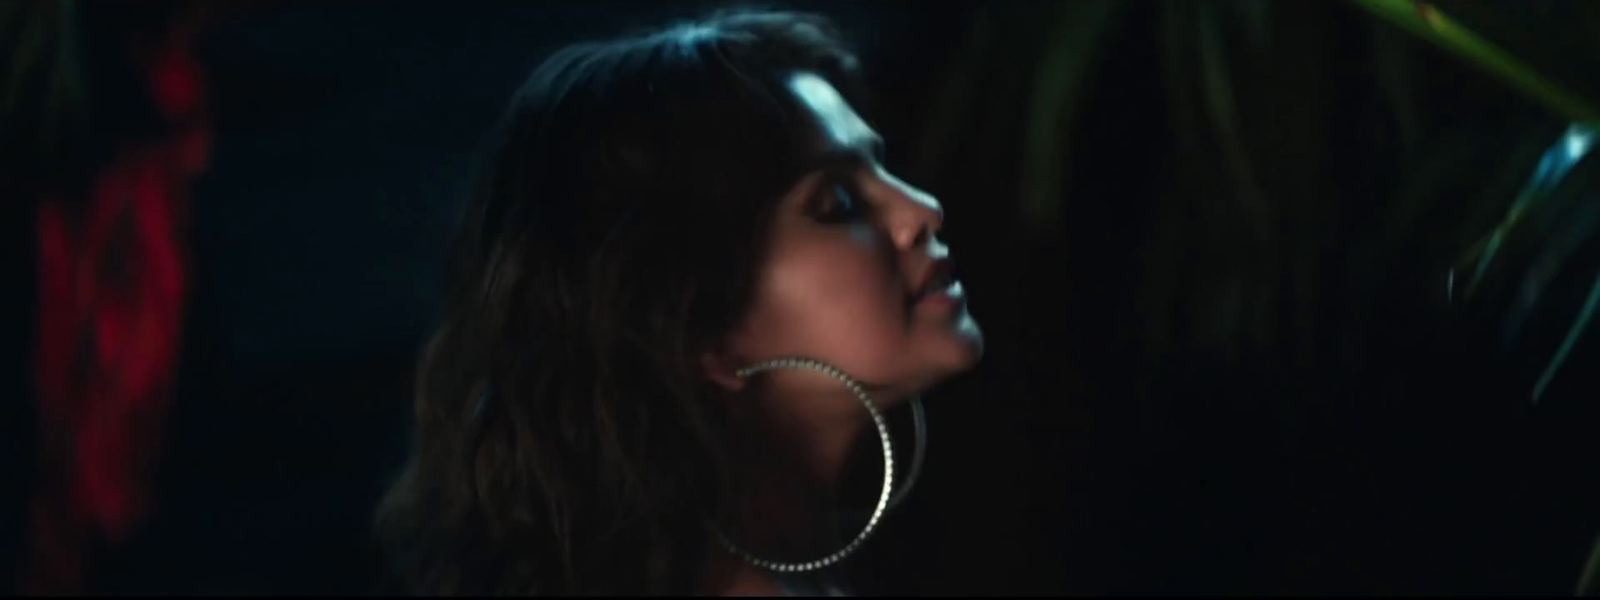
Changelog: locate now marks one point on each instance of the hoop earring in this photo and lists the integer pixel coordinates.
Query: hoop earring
(886, 500)
(919, 422)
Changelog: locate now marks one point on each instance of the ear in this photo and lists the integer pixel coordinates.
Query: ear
(720, 369)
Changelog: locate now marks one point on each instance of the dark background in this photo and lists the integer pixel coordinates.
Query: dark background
(1206, 241)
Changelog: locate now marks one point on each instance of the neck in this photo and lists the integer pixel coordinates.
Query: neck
(788, 511)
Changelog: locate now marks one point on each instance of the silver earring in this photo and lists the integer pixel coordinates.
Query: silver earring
(886, 499)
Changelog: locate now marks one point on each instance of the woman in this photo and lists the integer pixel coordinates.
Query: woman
(661, 218)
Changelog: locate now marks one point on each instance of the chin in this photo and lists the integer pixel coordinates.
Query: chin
(959, 347)
(951, 353)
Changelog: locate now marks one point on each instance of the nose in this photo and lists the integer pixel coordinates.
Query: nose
(917, 215)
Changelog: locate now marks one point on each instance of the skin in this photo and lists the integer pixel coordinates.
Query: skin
(851, 246)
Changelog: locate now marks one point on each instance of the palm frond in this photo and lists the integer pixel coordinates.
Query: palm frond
(1427, 21)
(1589, 582)
(25, 39)
(1074, 40)
(1580, 325)
(1222, 109)
(1573, 146)
(42, 91)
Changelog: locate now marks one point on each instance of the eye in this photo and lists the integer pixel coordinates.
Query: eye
(838, 202)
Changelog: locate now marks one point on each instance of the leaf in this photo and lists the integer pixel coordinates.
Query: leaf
(1257, 18)
(8, 15)
(1427, 21)
(1570, 149)
(1589, 582)
(1393, 71)
(1222, 108)
(1574, 333)
(26, 46)
(954, 100)
(1069, 56)
(1544, 271)
(66, 83)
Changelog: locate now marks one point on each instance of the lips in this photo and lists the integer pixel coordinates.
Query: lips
(938, 278)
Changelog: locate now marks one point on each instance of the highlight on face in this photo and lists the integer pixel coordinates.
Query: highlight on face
(854, 273)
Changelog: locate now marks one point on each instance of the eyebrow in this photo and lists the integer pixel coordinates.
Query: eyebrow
(859, 152)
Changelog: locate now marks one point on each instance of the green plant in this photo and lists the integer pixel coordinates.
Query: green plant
(1553, 217)
(1298, 195)
(43, 99)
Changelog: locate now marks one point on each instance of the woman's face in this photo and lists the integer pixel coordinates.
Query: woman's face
(855, 275)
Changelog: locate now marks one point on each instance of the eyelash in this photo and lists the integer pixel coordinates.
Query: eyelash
(839, 202)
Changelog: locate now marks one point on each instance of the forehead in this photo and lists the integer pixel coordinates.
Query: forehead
(838, 124)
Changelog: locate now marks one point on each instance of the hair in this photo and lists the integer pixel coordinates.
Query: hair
(566, 442)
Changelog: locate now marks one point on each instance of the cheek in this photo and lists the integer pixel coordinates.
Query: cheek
(838, 300)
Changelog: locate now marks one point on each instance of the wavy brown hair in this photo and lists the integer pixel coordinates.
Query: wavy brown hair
(566, 441)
